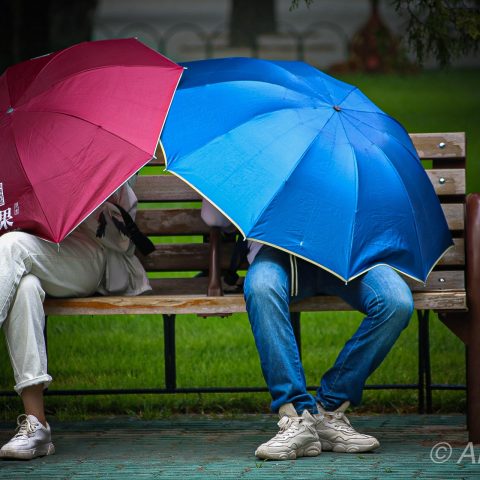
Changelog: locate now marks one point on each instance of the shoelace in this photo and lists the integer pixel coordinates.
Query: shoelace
(25, 426)
(340, 416)
(288, 426)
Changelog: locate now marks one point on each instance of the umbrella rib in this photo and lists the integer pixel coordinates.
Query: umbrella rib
(276, 64)
(104, 200)
(377, 112)
(255, 117)
(95, 125)
(30, 182)
(399, 177)
(295, 164)
(352, 230)
(386, 132)
(54, 56)
(354, 89)
(314, 90)
(74, 74)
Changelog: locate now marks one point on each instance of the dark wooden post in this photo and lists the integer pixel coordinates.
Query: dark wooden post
(472, 244)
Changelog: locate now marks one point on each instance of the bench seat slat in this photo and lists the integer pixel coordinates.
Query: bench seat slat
(203, 305)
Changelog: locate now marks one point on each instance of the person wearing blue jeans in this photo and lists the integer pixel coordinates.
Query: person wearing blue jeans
(387, 303)
(309, 424)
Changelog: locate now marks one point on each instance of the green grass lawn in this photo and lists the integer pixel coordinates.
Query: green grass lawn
(127, 352)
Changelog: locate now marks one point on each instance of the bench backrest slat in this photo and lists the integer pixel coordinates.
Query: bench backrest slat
(168, 188)
(194, 256)
(439, 145)
(437, 281)
(177, 221)
(428, 146)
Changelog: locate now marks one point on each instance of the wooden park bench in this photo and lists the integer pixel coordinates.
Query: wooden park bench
(452, 290)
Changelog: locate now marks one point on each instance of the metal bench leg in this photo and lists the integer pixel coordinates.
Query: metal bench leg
(424, 358)
(170, 356)
(424, 368)
(295, 321)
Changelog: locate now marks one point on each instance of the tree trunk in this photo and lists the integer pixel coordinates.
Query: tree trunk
(250, 18)
(70, 22)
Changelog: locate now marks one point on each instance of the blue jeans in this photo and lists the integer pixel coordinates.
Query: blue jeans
(381, 294)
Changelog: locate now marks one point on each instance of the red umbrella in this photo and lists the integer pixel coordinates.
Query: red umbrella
(74, 126)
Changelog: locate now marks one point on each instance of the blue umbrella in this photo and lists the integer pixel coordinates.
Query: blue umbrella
(304, 162)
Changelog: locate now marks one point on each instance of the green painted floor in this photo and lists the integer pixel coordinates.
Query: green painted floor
(221, 448)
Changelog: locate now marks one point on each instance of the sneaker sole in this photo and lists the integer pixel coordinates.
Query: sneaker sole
(345, 448)
(42, 451)
(312, 450)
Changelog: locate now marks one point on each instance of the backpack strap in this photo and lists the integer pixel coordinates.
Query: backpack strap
(131, 230)
(239, 255)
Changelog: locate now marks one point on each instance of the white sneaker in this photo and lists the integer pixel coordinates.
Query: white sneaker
(297, 437)
(32, 440)
(337, 434)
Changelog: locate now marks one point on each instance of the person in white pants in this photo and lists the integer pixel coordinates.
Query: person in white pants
(30, 269)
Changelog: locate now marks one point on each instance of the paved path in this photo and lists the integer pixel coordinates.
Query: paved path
(202, 447)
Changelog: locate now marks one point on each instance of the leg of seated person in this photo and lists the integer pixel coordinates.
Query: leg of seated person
(267, 295)
(387, 302)
(73, 268)
(25, 341)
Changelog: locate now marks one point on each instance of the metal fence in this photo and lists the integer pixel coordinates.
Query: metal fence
(190, 41)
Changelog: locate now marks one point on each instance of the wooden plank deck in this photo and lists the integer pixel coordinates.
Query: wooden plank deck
(202, 447)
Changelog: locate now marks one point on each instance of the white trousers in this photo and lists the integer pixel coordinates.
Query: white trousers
(29, 269)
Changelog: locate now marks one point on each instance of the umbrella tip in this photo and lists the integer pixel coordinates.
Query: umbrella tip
(337, 108)
(9, 110)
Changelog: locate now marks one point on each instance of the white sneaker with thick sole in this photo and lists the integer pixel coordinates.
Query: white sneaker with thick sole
(337, 434)
(297, 437)
(31, 440)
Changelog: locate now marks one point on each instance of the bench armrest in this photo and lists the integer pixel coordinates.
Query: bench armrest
(472, 252)
(214, 269)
